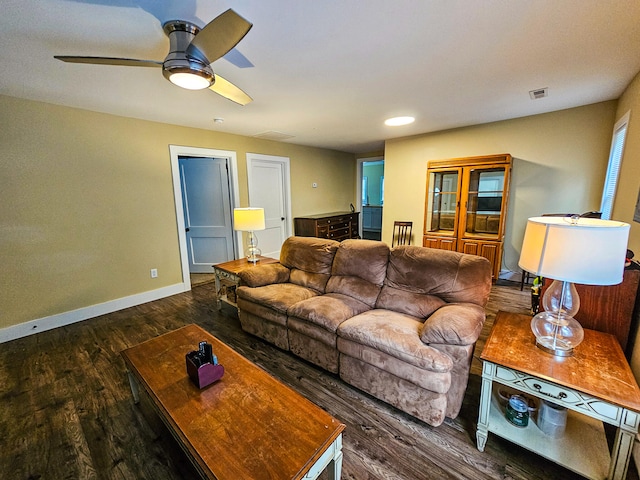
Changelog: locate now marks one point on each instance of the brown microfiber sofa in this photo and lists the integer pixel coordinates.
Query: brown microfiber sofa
(399, 324)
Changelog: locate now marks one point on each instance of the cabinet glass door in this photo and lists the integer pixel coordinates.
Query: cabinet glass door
(442, 201)
(484, 201)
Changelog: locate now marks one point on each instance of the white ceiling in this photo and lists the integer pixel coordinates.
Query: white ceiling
(329, 72)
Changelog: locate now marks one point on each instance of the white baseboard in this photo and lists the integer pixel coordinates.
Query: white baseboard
(66, 318)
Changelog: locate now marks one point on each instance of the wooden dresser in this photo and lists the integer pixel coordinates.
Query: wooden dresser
(335, 226)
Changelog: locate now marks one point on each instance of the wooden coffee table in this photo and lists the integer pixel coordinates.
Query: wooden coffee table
(248, 425)
(228, 272)
(595, 384)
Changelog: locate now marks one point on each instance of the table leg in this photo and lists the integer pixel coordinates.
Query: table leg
(335, 466)
(133, 383)
(621, 454)
(331, 460)
(482, 431)
(218, 289)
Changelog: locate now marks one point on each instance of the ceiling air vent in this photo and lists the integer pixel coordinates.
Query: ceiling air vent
(273, 135)
(539, 93)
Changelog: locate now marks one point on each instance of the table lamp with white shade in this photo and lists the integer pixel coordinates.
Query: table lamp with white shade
(570, 250)
(249, 220)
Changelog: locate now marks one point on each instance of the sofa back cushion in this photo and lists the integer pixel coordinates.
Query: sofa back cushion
(419, 280)
(359, 269)
(309, 260)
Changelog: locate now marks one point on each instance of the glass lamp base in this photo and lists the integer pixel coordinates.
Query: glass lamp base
(253, 252)
(554, 347)
(253, 255)
(556, 334)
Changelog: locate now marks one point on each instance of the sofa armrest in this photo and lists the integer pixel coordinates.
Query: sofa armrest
(454, 324)
(262, 275)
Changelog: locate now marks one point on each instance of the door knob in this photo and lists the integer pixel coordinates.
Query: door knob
(187, 229)
(282, 218)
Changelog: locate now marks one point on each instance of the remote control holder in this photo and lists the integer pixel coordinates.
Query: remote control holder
(202, 366)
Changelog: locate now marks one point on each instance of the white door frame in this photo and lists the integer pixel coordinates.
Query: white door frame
(360, 161)
(285, 161)
(181, 151)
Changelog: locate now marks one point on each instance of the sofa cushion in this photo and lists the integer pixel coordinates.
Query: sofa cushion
(264, 275)
(266, 313)
(309, 254)
(397, 335)
(355, 287)
(279, 296)
(366, 259)
(359, 269)
(438, 382)
(327, 311)
(452, 276)
(454, 324)
(317, 281)
(411, 303)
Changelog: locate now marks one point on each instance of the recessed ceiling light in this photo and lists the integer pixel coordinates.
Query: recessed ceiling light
(398, 121)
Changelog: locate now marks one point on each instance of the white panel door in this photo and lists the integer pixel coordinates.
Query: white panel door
(268, 178)
(207, 212)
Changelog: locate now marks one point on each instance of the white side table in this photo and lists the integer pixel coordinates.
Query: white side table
(595, 384)
(228, 272)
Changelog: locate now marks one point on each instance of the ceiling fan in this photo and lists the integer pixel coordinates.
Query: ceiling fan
(191, 52)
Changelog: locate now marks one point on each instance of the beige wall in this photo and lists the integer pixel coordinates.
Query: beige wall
(88, 206)
(629, 184)
(559, 164)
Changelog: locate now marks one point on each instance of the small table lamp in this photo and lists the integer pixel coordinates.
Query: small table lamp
(570, 250)
(249, 220)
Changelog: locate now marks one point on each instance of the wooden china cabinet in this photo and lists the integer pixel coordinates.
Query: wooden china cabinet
(466, 206)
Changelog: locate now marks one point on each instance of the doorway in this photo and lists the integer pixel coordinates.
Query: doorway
(206, 244)
(269, 188)
(371, 196)
(207, 211)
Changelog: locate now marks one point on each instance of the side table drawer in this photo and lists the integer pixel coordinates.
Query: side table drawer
(575, 400)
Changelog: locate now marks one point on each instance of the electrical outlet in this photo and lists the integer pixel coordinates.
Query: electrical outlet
(154, 273)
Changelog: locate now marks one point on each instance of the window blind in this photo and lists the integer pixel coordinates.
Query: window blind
(613, 168)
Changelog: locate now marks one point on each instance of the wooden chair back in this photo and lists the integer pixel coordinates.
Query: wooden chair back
(401, 233)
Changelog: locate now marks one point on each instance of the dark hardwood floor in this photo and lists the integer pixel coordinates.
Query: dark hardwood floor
(66, 409)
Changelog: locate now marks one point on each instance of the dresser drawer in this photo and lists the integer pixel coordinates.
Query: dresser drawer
(340, 233)
(323, 231)
(338, 226)
(340, 219)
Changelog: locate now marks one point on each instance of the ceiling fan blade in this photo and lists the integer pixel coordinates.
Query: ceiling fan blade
(126, 62)
(219, 36)
(230, 91)
(236, 58)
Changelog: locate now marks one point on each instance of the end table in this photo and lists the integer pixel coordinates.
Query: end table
(595, 384)
(228, 272)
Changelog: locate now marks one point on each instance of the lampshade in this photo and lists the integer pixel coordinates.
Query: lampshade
(579, 250)
(570, 250)
(249, 219)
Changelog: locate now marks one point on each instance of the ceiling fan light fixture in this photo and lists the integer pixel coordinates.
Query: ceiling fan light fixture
(399, 121)
(191, 52)
(190, 80)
